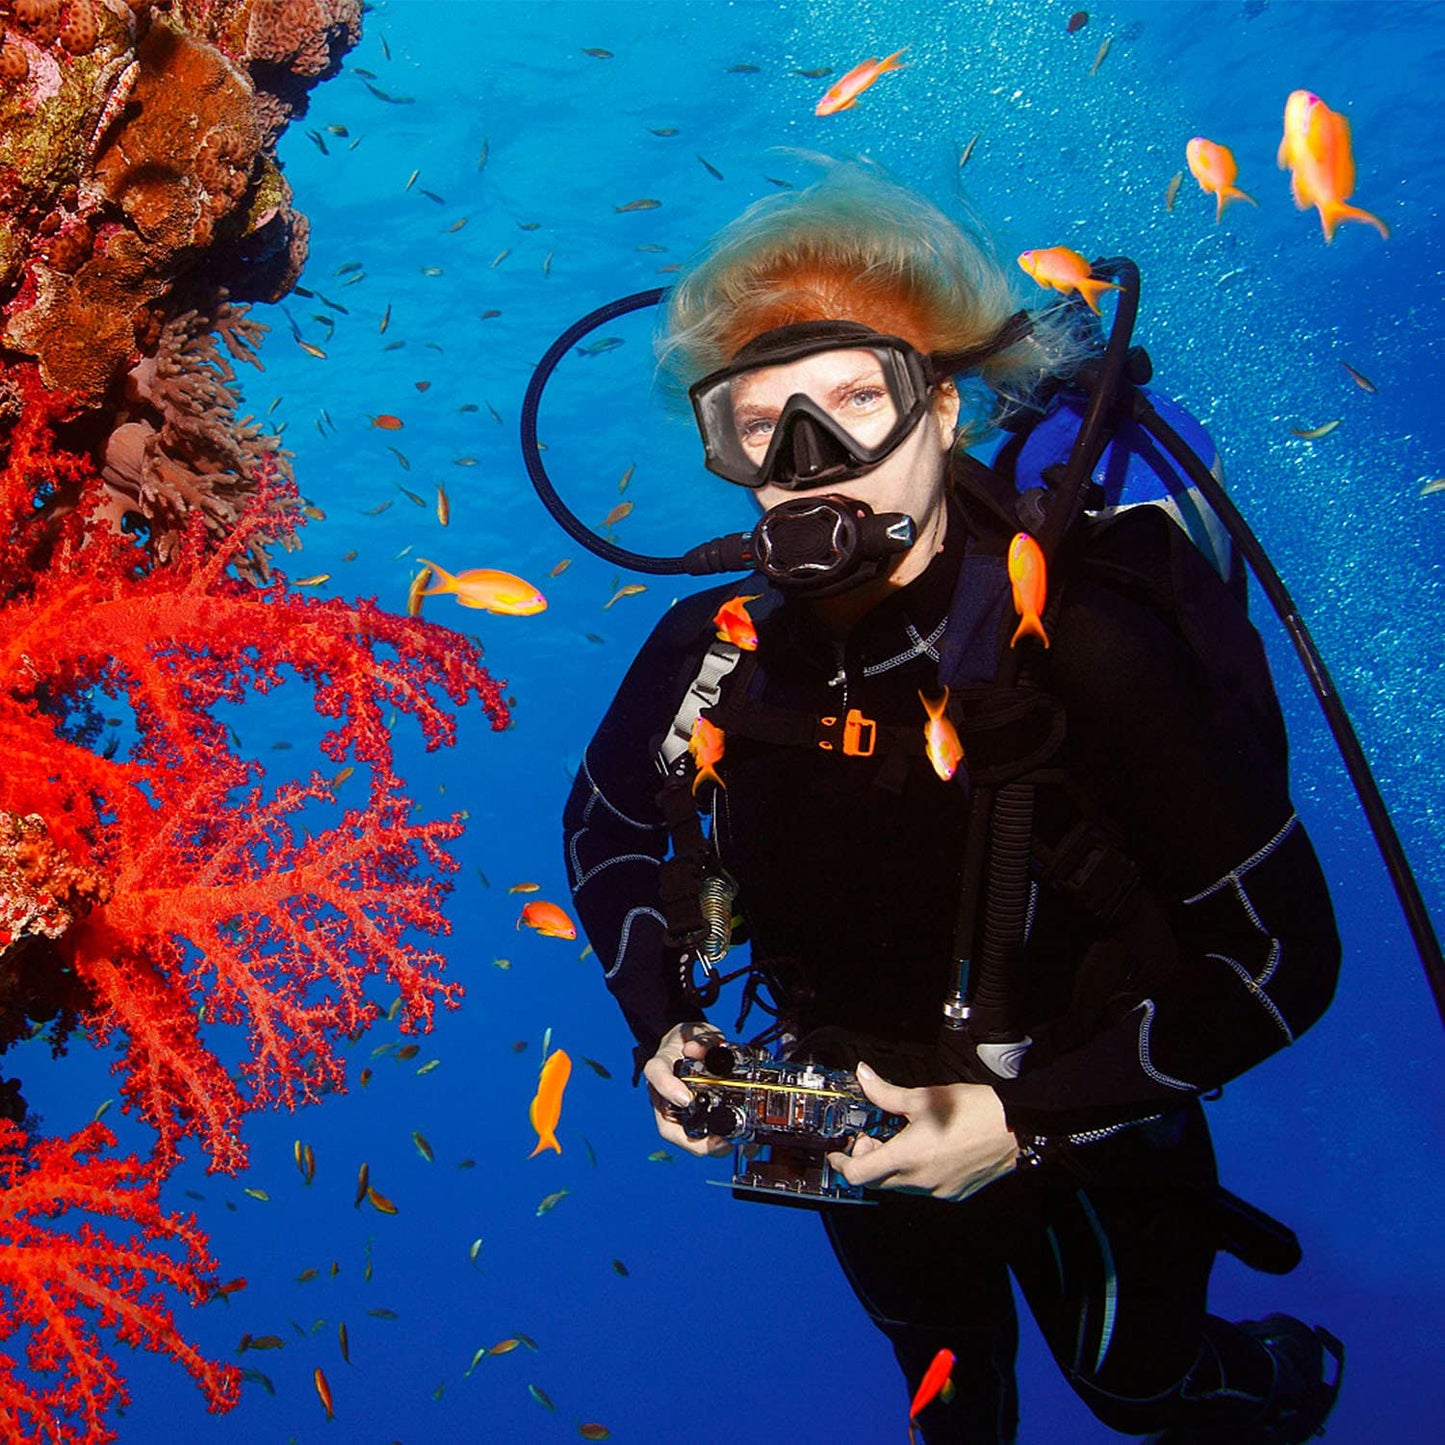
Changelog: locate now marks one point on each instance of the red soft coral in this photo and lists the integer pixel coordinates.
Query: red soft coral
(62, 1284)
(220, 905)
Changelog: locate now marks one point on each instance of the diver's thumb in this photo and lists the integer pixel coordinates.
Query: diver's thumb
(877, 1090)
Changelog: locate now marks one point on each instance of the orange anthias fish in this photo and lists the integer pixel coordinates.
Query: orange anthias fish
(844, 94)
(481, 587)
(945, 751)
(548, 920)
(706, 748)
(1066, 270)
(935, 1381)
(1316, 151)
(387, 422)
(734, 625)
(1214, 167)
(1029, 576)
(546, 1108)
(323, 1391)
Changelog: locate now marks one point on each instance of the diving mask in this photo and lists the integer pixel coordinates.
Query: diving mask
(819, 402)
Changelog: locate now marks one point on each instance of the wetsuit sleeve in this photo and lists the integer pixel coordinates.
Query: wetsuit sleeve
(1231, 951)
(614, 835)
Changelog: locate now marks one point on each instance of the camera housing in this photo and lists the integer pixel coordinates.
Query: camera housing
(784, 1118)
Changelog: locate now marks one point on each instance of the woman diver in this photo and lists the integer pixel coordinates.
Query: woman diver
(1178, 929)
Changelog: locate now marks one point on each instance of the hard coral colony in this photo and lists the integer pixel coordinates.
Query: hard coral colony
(149, 895)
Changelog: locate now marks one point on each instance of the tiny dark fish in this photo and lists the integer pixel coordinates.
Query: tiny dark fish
(743, 69)
(620, 1268)
(405, 465)
(482, 155)
(1077, 21)
(664, 130)
(1360, 380)
(817, 74)
(540, 1396)
(774, 181)
(520, 1046)
(408, 1051)
(711, 169)
(257, 1378)
(469, 406)
(340, 130)
(390, 99)
(597, 348)
(496, 415)
(599, 1069)
(393, 346)
(318, 140)
(593, 637)
(596, 52)
(529, 225)
(375, 511)
(643, 203)
(334, 305)
(488, 314)
(432, 196)
(385, 48)
(364, 74)
(384, 1314)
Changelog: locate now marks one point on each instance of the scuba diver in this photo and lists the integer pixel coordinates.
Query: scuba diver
(1041, 782)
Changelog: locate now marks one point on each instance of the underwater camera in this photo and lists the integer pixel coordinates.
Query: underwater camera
(784, 1119)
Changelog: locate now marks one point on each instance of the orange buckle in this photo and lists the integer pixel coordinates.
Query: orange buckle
(859, 734)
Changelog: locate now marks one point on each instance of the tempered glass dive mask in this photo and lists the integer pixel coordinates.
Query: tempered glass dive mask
(807, 405)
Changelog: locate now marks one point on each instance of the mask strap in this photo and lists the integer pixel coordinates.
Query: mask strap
(943, 364)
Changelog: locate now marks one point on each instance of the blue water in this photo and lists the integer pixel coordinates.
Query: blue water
(732, 1322)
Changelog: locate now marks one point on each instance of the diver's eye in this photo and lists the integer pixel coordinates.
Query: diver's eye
(756, 430)
(865, 398)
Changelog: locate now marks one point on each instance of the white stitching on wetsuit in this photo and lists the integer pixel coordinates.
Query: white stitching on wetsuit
(620, 858)
(1235, 874)
(1232, 880)
(599, 796)
(1254, 984)
(922, 646)
(1145, 1062)
(627, 929)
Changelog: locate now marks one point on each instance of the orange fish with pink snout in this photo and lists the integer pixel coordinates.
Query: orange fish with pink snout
(488, 590)
(546, 1108)
(1215, 168)
(1066, 270)
(844, 95)
(548, 920)
(735, 625)
(1316, 151)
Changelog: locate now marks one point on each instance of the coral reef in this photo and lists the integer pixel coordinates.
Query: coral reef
(156, 895)
(63, 1286)
(137, 166)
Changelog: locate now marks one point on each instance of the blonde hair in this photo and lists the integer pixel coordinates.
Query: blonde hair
(856, 246)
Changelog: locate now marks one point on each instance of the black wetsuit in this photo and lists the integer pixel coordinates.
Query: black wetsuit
(849, 870)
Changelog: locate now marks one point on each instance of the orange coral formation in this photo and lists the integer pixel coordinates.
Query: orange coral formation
(42, 891)
(80, 29)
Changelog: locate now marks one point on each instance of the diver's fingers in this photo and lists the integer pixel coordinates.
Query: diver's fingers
(664, 1085)
(873, 1166)
(709, 1146)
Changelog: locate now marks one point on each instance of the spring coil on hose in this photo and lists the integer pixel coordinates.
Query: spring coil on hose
(715, 900)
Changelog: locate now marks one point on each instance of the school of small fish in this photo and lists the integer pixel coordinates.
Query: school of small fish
(1316, 150)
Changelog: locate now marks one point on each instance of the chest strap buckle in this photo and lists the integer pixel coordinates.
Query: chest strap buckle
(859, 734)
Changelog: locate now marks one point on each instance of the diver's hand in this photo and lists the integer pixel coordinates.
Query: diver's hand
(955, 1142)
(666, 1090)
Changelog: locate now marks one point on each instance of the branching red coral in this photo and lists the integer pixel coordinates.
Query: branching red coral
(220, 902)
(64, 1282)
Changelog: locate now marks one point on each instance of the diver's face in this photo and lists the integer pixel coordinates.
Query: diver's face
(849, 386)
